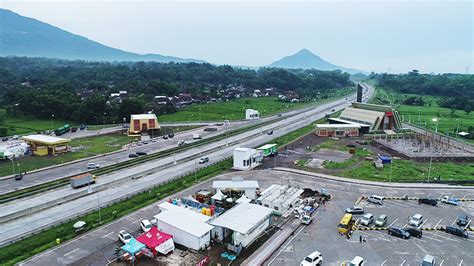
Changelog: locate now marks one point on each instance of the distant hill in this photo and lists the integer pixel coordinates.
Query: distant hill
(305, 59)
(23, 36)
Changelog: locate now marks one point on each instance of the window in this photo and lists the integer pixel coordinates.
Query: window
(244, 163)
(276, 208)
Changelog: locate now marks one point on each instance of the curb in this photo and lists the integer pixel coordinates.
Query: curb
(370, 183)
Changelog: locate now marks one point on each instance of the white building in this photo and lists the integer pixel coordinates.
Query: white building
(13, 150)
(249, 187)
(246, 158)
(251, 114)
(245, 222)
(279, 198)
(188, 227)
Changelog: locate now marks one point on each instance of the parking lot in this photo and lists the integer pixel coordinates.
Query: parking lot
(380, 248)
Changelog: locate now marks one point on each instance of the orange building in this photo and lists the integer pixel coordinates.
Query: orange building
(143, 123)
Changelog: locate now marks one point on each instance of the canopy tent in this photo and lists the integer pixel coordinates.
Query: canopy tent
(133, 247)
(218, 196)
(243, 199)
(157, 241)
(463, 134)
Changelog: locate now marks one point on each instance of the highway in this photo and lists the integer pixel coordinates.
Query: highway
(118, 189)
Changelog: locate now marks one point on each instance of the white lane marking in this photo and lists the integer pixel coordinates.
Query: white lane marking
(432, 238)
(106, 235)
(441, 263)
(383, 262)
(137, 221)
(438, 222)
(69, 253)
(376, 236)
(460, 263)
(393, 222)
(420, 247)
(403, 262)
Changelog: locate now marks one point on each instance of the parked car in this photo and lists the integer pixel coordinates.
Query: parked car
(145, 142)
(315, 258)
(141, 153)
(428, 201)
(398, 232)
(145, 225)
(355, 210)
(15, 137)
(124, 237)
(165, 136)
(73, 129)
(454, 230)
(428, 260)
(19, 176)
(381, 221)
(375, 199)
(357, 261)
(270, 132)
(132, 155)
(204, 160)
(171, 135)
(4, 138)
(415, 232)
(416, 220)
(462, 220)
(182, 142)
(449, 200)
(82, 127)
(367, 220)
(93, 165)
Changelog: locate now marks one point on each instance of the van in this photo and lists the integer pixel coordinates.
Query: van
(345, 224)
(456, 231)
(375, 199)
(357, 261)
(428, 260)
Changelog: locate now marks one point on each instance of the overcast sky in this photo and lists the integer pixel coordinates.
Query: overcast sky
(432, 36)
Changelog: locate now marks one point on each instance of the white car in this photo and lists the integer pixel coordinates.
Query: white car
(367, 219)
(315, 258)
(416, 220)
(93, 165)
(124, 237)
(145, 225)
(357, 261)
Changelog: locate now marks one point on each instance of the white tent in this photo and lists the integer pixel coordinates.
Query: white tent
(243, 199)
(218, 196)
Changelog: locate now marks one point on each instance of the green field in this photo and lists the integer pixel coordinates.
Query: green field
(449, 122)
(27, 125)
(235, 110)
(87, 147)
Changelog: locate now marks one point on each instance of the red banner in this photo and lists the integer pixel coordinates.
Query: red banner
(203, 262)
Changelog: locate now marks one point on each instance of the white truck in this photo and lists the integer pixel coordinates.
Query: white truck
(196, 136)
(82, 180)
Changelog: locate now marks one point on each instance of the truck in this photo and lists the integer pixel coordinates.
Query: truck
(196, 136)
(82, 180)
(307, 212)
(62, 130)
(449, 200)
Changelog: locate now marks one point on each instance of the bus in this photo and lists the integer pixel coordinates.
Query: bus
(345, 224)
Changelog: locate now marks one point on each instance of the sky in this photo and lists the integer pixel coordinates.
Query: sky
(377, 35)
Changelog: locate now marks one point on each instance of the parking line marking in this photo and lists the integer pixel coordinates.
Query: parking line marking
(403, 262)
(439, 222)
(383, 262)
(460, 263)
(433, 239)
(441, 263)
(283, 248)
(69, 253)
(106, 235)
(393, 222)
(420, 247)
(137, 221)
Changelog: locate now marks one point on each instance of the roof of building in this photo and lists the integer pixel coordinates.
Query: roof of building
(45, 139)
(347, 122)
(362, 116)
(234, 184)
(143, 116)
(266, 146)
(337, 126)
(243, 217)
(185, 219)
(280, 194)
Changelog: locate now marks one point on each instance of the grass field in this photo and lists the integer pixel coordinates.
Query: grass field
(235, 110)
(448, 122)
(87, 147)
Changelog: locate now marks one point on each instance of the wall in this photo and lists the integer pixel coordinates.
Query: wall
(246, 240)
(181, 237)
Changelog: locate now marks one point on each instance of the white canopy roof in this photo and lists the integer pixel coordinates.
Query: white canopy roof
(243, 217)
(184, 219)
(219, 195)
(235, 184)
(243, 199)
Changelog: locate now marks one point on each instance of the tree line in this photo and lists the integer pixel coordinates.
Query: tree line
(79, 90)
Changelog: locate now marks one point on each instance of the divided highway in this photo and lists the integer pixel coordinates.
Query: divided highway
(43, 212)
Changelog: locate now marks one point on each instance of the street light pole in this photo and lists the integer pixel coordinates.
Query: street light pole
(52, 125)
(98, 204)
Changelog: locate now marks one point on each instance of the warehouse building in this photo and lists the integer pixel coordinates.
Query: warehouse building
(251, 114)
(42, 145)
(143, 123)
(188, 227)
(279, 198)
(244, 222)
(246, 158)
(337, 130)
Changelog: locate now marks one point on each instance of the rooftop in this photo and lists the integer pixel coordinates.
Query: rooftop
(266, 146)
(243, 217)
(337, 126)
(241, 184)
(184, 219)
(45, 139)
(144, 116)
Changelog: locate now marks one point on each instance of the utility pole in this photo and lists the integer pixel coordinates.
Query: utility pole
(98, 204)
(52, 125)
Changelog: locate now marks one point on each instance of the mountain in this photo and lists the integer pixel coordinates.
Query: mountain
(305, 59)
(23, 36)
